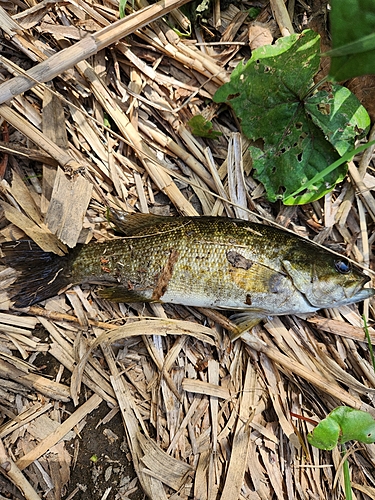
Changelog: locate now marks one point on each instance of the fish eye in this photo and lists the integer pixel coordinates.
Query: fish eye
(342, 266)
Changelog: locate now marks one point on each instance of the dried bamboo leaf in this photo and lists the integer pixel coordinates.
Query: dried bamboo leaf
(38, 233)
(88, 46)
(68, 205)
(241, 439)
(10, 469)
(36, 382)
(22, 195)
(199, 387)
(162, 466)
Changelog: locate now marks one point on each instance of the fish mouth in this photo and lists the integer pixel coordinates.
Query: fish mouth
(361, 293)
(364, 294)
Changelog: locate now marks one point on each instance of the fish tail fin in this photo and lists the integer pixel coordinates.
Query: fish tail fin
(40, 274)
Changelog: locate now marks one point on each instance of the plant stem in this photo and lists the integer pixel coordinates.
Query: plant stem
(347, 482)
(368, 341)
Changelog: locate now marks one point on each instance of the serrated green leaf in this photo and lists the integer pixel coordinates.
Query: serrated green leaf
(270, 95)
(203, 128)
(352, 21)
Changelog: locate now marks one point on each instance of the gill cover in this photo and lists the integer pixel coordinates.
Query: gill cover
(319, 292)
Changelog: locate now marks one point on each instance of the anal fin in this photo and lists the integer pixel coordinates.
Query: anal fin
(245, 321)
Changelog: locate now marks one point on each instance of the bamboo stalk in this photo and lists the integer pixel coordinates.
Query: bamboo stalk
(282, 17)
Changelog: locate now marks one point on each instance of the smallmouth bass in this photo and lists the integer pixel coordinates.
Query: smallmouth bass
(212, 262)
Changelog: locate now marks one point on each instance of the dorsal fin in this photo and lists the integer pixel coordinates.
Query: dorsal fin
(131, 224)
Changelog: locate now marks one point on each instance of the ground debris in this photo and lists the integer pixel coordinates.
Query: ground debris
(114, 401)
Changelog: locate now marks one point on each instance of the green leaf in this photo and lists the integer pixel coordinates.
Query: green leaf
(352, 31)
(253, 12)
(302, 133)
(361, 45)
(122, 6)
(270, 84)
(343, 424)
(338, 113)
(203, 128)
(288, 173)
(324, 173)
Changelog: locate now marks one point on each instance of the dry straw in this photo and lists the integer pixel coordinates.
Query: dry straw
(100, 120)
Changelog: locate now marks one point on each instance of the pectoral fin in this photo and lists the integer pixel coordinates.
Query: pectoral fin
(298, 278)
(245, 321)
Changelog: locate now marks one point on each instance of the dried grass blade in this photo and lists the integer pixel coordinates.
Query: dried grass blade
(23, 418)
(236, 180)
(23, 197)
(8, 25)
(162, 179)
(38, 383)
(10, 469)
(143, 327)
(341, 328)
(37, 137)
(241, 439)
(200, 387)
(298, 369)
(363, 192)
(162, 466)
(38, 233)
(90, 45)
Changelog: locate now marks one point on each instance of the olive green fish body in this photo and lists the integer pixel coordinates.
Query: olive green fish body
(209, 262)
(198, 262)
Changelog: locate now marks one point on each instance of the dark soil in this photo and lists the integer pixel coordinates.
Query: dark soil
(103, 461)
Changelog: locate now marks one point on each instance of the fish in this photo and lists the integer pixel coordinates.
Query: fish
(254, 270)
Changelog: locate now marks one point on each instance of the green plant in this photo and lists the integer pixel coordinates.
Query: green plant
(343, 424)
(203, 128)
(353, 38)
(304, 131)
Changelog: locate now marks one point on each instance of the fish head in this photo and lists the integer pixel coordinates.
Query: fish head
(327, 280)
